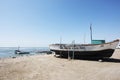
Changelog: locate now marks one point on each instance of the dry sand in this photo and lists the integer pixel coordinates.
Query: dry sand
(47, 67)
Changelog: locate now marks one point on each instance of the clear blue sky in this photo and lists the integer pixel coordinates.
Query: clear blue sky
(39, 23)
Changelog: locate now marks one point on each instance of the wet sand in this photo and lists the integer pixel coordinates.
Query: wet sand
(47, 67)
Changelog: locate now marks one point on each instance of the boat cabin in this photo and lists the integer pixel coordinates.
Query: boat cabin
(97, 41)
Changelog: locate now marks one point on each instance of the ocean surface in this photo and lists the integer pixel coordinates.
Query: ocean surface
(6, 52)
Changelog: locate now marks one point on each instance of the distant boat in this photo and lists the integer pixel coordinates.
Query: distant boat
(104, 50)
(20, 52)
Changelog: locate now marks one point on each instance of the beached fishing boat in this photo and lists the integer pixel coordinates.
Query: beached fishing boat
(97, 48)
(104, 50)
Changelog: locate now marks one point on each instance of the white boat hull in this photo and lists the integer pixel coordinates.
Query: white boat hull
(85, 50)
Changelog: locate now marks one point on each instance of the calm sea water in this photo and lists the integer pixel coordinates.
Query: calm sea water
(6, 52)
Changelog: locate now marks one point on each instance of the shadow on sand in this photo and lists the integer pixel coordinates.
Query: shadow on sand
(112, 60)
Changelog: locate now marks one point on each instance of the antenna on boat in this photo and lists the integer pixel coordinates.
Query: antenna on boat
(60, 44)
(60, 41)
(91, 32)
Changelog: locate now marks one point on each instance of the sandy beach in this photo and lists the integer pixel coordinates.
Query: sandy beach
(48, 67)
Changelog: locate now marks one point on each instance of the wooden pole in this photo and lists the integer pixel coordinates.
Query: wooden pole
(73, 49)
(68, 54)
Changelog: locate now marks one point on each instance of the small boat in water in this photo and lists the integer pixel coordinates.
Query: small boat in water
(20, 52)
(104, 50)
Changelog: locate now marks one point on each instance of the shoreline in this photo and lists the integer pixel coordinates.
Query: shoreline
(47, 67)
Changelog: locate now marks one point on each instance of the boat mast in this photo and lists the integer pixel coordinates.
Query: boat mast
(18, 48)
(84, 38)
(91, 32)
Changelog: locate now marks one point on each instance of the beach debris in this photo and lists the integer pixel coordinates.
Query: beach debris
(47, 52)
(13, 57)
(100, 60)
